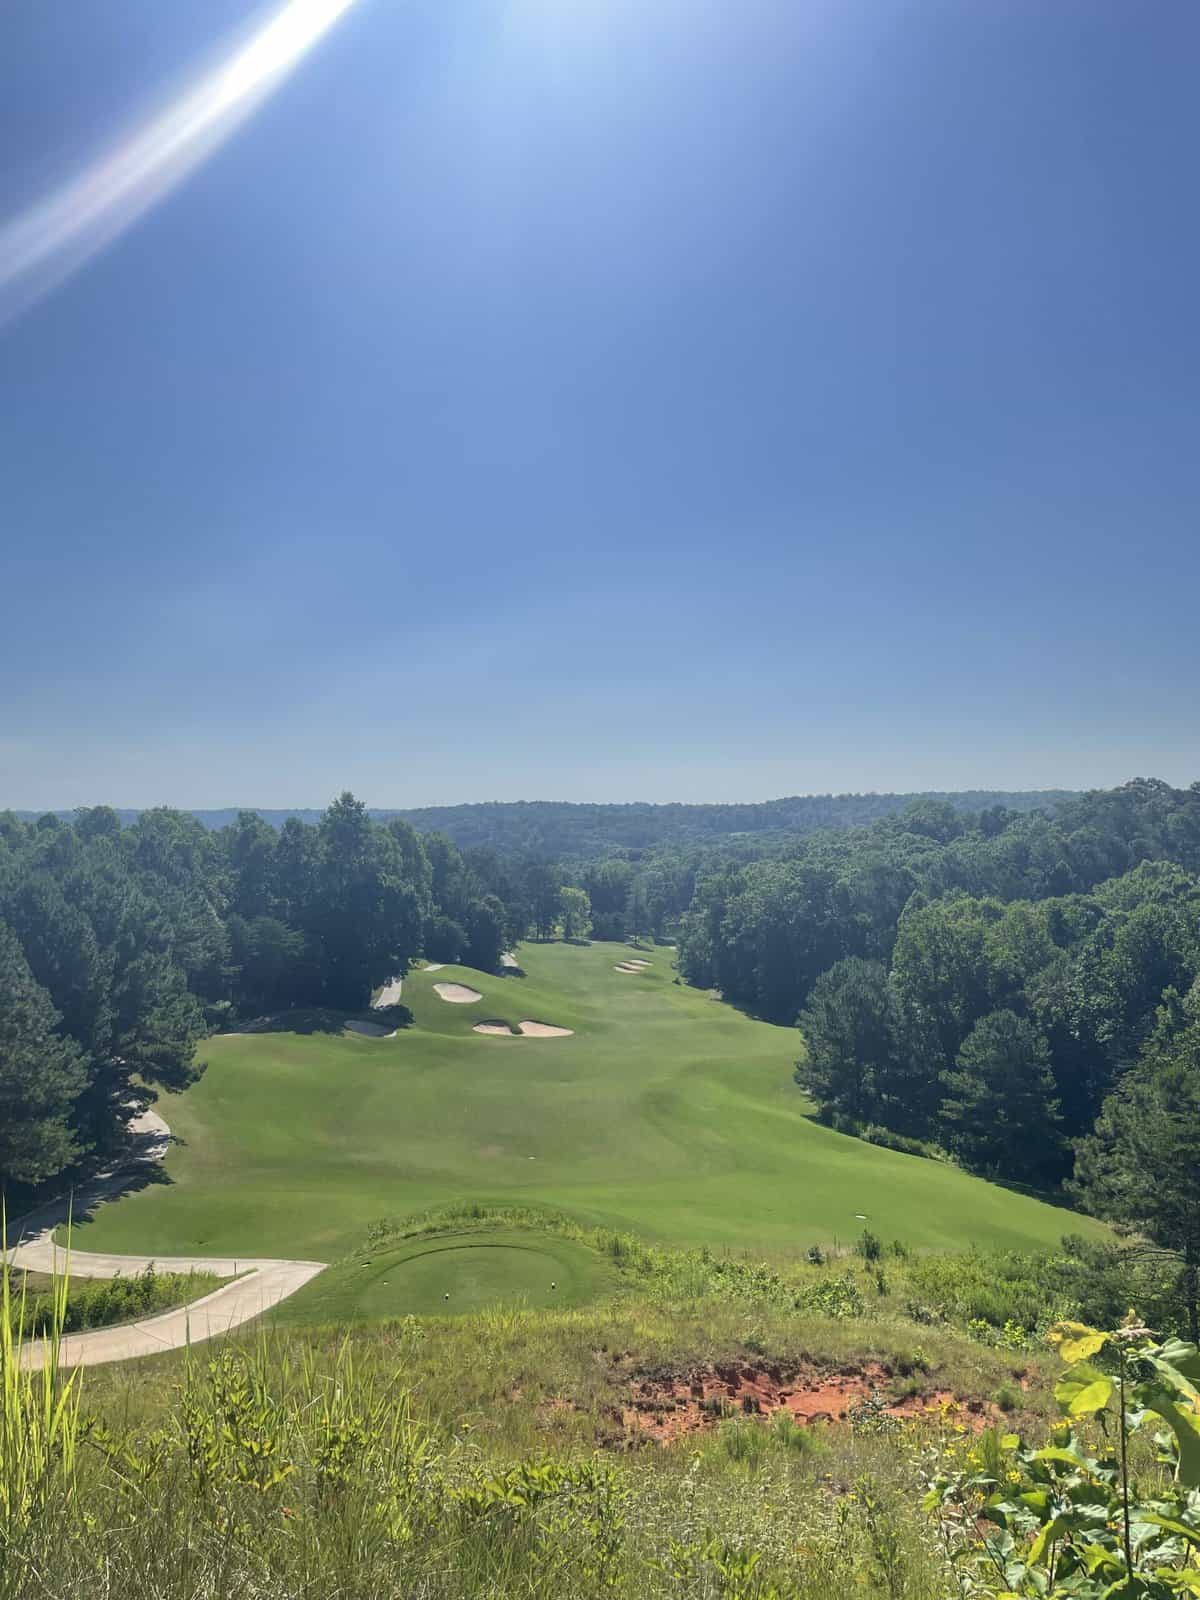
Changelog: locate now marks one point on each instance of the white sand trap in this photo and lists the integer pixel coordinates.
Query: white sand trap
(626, 966)
(631, 962)
(389, 995)
(509, 960)
(434, 966)
(373, 1030)
(527, 1029)
(457, 993)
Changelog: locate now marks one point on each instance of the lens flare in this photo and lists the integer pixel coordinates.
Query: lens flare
(56, 235)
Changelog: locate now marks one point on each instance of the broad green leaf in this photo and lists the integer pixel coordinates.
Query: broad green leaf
(1053, 1530)
(1096, 1558)
(1179, 1529)
(1076, 1341)
(1184, 1423)
(1178, 1372)
(1083, 1390)
(1185, 1580)
(1067, 1457)
(1183, 1357)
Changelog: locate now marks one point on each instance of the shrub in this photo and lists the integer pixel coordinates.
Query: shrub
(792, 1436)
(834, 1297)
(1007, 1397)
(743, 1442)
(869, 1246)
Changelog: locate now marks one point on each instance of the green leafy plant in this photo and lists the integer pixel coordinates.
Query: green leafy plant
(1071, 1518)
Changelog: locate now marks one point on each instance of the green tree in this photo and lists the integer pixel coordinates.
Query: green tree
(1141, 1166)
(866, 1060)
(445, 940)
(485, 930)
(366, 918)
(576, 911)
(999, 1112)
(42, 1075)
(543, 891)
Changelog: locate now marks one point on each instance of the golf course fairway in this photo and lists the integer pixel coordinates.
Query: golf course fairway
(664, 1111)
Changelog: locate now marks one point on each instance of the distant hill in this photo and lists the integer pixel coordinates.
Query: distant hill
(564, 829)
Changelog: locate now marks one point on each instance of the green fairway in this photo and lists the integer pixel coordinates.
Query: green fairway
(667, 1112)
(453, 1274)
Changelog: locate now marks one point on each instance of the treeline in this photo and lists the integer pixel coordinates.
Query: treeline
(983, 982)
(764, 931)
(120, 947)
(564, 831)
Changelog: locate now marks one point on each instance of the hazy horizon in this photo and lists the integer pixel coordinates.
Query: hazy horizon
(375, 805)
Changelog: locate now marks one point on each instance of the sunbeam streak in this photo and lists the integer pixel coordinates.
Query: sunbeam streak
(56, 235)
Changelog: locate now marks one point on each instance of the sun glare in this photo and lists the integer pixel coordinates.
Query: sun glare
(57, 234)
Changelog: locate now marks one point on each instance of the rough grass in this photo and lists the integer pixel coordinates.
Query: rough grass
(478, 1457)
(485, 1456)
(668, 1113)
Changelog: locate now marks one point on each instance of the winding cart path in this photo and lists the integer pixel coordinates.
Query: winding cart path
(258, 1285)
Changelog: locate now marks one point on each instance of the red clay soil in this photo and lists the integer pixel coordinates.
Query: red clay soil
(666, 1406)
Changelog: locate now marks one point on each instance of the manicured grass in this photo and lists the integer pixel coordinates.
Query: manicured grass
(668, 1113)
(452, 1275)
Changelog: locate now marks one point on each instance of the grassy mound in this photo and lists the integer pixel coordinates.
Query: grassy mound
(667, 1113)
(453, 1275)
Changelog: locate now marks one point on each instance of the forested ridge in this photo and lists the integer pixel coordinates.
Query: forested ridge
(558, 830)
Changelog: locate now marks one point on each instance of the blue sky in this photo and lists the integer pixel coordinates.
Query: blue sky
(595, 399)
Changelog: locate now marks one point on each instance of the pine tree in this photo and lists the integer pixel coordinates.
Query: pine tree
(1141, 1166)
(1000, 1113)
(41, 1076)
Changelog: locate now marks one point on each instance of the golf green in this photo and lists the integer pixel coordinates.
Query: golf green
(452, 1274)
(665, 1111)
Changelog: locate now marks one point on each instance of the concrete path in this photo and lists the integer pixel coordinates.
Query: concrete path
(263, 1283)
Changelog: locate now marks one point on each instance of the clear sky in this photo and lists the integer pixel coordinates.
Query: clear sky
(610, 399)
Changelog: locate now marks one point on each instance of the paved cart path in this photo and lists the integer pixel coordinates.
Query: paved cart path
(259, 1284)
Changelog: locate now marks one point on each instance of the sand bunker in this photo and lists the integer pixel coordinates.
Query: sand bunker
(634, 962)
(527, 1030)
(389, 995)
(434, 966)
(626, 966)
(373, 1030)
(457, 993)
(509, 960)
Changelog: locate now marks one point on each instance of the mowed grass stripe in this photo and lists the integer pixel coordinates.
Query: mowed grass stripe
(667, 1112)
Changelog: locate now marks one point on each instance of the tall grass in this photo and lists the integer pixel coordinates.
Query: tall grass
(274, 1468)
(40, 1416)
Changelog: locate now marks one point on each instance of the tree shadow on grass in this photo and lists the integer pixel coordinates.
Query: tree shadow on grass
(322, 1019)
(87, 1201)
